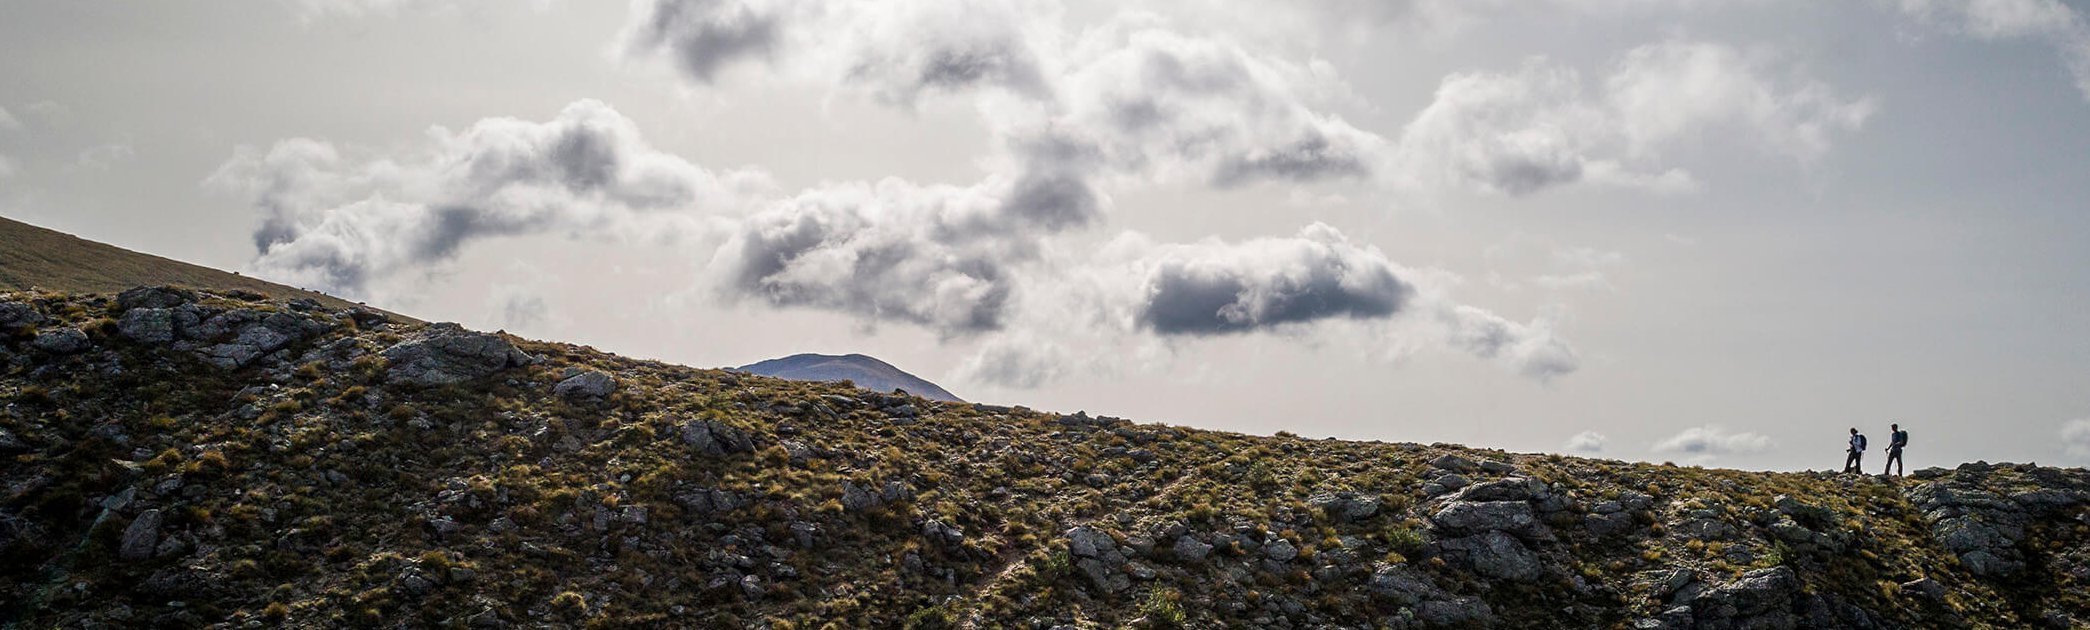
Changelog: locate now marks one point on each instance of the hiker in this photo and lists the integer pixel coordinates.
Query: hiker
(1856, 458)
(1895, 442)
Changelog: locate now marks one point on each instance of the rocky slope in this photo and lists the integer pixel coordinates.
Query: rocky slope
(183, 459)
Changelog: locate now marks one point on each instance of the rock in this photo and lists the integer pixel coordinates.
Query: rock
(1401, 585)
(142, 538)
(857, 499)
(1506, 489)
(1760, 599)
(1924, 588)
(147, 325)
(1463, 611)
(1095, 553)
(1191, 549)
(1345, 506)
(1453, 463)
(716, 439)
(585, 385)
(1810, 515)
(950, 536)
(18, 315)
(154, 297)
(1493, 554)
(1468, 517)
(447, 354)
(62, 340)
(1281, 550)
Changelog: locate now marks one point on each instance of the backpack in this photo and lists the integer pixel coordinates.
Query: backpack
(1861, 441)
(1901, 439)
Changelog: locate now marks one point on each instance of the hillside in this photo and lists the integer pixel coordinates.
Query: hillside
(33, 257)
(866, 372)
(182, 459)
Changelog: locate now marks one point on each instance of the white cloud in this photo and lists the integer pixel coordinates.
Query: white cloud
(336, 221)
(1586, 442)
(102, 157)
(2075, 438)
(1709, 441)
(8, 122)
(313, 10)
(2050, 21)
(1523, 260)
(1545, 126)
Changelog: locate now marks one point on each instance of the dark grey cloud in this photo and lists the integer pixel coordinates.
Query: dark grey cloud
(702, 36)
(1215, 288)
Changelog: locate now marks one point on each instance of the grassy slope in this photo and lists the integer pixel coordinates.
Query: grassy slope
(34, 257)
(313, 503)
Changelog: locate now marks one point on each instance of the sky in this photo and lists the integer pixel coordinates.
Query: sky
(1713, 232)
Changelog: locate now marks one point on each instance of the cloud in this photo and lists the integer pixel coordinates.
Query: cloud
(337, 222)
(1707, 441)
(1135, 305)
(1212, 287)
(104, 156)
(1130, 97)
(1544, 126)
(1588, 442)
(1524, 260)
(8, 122)
(937, 256)
(2050, 21)
(2075, 438)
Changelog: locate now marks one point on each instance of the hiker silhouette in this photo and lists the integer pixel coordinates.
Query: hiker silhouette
(1856, 457)
(1895, 442)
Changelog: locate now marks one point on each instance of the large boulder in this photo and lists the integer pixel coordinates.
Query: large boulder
(141, 538)
(1095, 554)
(585, 385)
(147, 325)
(1763, 599)
(447, 354)
(1345, 506)
(63, 340)
(154, 297)
(715, 439)
(1470, 517)
(18, 315)
(1493, 554)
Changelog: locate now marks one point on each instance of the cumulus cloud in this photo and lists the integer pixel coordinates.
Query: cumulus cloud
(1545, 126)
(1130, 97)
(1707, 441)
(2049, 21)
(938, 256)
(1212, 287)
(2075, 437)
(1587, 442)
(1135, 303)
(334, 221)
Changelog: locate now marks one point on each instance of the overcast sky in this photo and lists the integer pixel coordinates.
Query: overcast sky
(1713, 232)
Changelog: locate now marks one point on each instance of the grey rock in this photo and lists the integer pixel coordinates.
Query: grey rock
(1506, 489)
(716, 439)
(1463, 611)
(1468, 517)
(1402, 585)
(62, 340)
(947, 535)
(587, 384)
(1095, 554)
(447, 354)
(1493, 554)
(1761, 599)
(1453, 463)
(18, 315)
(1191, 549)
(154, 297)
(147, 325)
(1924, 588)
(141, 538)
(856, 498)
(1281, 550)
(1345, 506)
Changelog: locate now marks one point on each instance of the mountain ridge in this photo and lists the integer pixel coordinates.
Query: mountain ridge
(865, 371)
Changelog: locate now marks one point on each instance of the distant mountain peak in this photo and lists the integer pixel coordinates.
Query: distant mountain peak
(865, 371)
